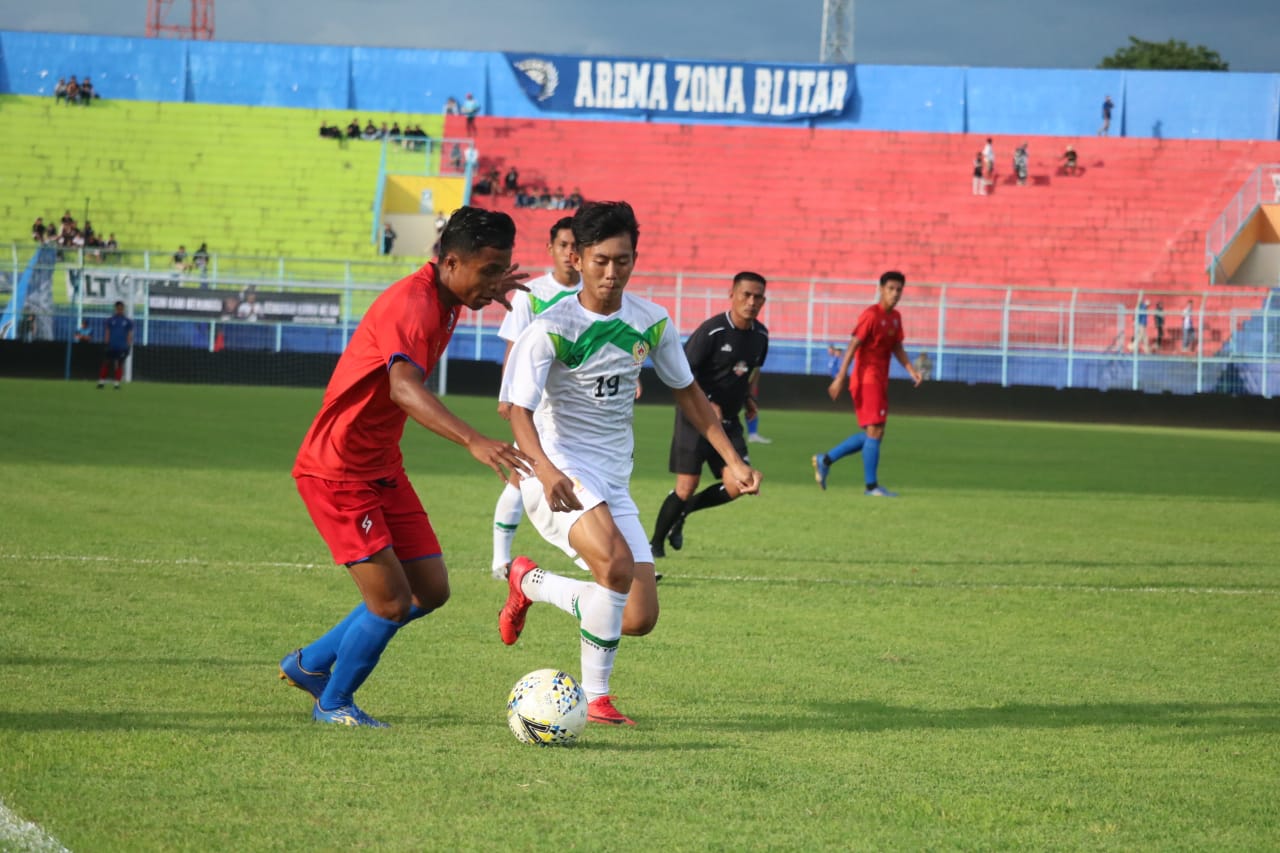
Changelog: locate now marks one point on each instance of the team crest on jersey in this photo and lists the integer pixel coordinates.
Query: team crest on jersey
(740, 369)
(640, 351)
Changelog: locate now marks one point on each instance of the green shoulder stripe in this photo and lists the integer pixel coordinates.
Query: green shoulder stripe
(597, 335)
(540, 305)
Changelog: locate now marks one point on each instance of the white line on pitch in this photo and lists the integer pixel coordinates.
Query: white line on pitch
(856, 582)
(23, 836)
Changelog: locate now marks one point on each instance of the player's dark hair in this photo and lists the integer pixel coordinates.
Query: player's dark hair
(893, 275)
(471, 229)
(747, 275)
(597, 221)
(561, 224)
(119, 304)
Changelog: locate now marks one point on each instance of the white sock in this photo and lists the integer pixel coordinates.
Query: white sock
(600, 628)
(550, 588)
(506, 518)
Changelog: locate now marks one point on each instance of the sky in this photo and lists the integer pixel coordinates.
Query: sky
(1008, 33)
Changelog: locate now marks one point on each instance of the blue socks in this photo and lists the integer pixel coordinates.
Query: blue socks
(370, 636)
(358, 654)
(320, 655)
(850, 445)
(871, 461)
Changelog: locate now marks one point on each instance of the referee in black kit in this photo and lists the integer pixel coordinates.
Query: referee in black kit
(726, 354)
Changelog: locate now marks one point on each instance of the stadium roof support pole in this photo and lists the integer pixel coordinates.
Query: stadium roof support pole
(837, 32)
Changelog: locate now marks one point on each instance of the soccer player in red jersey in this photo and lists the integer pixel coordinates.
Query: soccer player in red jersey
(350, 472)
(877, 336)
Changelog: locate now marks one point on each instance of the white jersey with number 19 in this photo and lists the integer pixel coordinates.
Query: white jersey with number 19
(578, 371)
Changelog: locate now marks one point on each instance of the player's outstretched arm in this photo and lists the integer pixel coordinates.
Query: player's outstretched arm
(555, 484)
(408, 393)
(841, 378)
(705, 417)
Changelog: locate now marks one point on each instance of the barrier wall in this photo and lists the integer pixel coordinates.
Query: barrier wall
(1184, 104)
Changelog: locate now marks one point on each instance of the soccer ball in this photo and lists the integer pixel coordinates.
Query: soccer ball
(547, 707)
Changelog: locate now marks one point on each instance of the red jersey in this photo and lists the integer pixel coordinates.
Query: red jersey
(356, 435)
(880, 332)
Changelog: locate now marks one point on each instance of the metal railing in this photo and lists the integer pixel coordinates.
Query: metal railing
(1056, 337)
(1261, 187)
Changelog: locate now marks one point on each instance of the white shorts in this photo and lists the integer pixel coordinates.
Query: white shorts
(591, 491)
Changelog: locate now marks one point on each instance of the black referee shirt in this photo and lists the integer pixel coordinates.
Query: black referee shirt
(723, 356)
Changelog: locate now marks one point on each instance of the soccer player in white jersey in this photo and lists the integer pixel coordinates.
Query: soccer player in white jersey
(571, 382)
(544, 292)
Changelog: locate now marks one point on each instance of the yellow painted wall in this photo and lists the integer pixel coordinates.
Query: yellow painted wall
(1263, 227)
(404, 193)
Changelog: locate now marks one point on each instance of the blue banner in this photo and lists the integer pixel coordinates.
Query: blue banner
(676, 88)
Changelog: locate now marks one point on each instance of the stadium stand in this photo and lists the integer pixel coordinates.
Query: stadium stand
(249, 180)
(846, 204)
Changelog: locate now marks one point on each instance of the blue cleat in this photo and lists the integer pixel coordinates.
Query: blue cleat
(347, 715)
(880, 492)
(292, 673)
(820, 471)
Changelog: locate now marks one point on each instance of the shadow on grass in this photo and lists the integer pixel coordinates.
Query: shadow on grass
(1199, 718)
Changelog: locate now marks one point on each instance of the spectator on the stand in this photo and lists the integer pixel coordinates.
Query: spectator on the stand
(511, 182)
(37, 229)
(1070, 161)
(384, 132)
(1020, 163)
(470, 108)
(1107, 106)
(451, 106)
(558, 199)
(455, 157)
(60, 90)
(395, 130)
(574, 201)
(180, 260)
(370, 132)
(86, 92)
(472, 158)
(388, 238)
(989, 161)
(110, 249)
(484, 185)
(353, 129)
(84, 334)
(1158, 316)
(330, 131)
(68, 219)
(1188, 328)
(979, 182)
(200, 260)
(544, 199)
(73, 91)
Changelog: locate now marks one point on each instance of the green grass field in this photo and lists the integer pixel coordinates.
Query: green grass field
(1060, 637)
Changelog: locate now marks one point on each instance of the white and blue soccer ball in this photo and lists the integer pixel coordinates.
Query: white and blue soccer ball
(547, 707)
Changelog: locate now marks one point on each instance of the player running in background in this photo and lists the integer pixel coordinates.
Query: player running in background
(571, 383)
(350, 472)
(877, 335)
(119, 342)
(544, 292)
(725, 353)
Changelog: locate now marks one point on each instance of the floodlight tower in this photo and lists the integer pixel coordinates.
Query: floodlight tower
(200, 29)
(837, 32)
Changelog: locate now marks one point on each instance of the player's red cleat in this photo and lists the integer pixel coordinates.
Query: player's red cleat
(601, 710)
(511, 616)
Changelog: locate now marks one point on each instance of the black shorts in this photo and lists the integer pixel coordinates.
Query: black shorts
(115, 354)
(689, 450)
